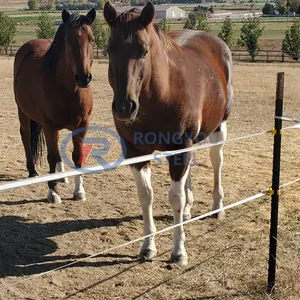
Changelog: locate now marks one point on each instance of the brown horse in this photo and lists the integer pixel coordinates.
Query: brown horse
(52, 91)
(176, 86)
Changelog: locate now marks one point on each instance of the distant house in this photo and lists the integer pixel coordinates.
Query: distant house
(167, 11)
(163, 11)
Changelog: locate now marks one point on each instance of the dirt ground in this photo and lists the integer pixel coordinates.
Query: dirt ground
(227, 259)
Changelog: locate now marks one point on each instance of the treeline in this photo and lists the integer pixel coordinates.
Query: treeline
(283, 7)
(70, 5)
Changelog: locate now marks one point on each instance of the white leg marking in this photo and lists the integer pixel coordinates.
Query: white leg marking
(60, 167)
(216, 156)
(79, 192)
(177, 198)
(189, 200)
(53, 197)
(145, 193)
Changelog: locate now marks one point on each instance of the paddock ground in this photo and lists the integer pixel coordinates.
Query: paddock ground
(227, 259)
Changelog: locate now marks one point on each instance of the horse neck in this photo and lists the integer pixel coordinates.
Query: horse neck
(160, 68)
(64, 74)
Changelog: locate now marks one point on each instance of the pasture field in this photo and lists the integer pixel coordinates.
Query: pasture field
(272, 36)
(227, 259)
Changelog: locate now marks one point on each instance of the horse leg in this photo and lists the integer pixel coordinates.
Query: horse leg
(216, 156)
(142, 176)
(60, 167)
(179, 166)
(53, 157)
(189, 197)
(26, 140)
(77, 156)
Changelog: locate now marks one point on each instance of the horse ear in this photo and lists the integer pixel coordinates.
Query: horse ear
(110, 13)
(147, 14)
(91, 16)
(65, 16)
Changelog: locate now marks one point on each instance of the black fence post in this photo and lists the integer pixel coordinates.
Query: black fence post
(277, 132)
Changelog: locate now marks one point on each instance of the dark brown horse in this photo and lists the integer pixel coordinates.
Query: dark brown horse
(175, 85)
(52, 91)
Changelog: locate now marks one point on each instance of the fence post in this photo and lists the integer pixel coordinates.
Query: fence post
(277, 131)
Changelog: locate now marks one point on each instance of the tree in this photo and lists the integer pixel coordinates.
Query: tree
(46, 28)
(7, 31)
(268, 9)
(32, 4)
(291, 41)
(251, 31)
(227, 33)
(202, 24)
(100, 3)
(191, 21)
(281, 6)
(164, 25)
(101, 35)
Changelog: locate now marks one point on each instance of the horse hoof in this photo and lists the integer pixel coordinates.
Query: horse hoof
(220, 215)
(63, 180)
(180, 260)
(79, 196)
(34, 174)
(54, 198)
(148, 254)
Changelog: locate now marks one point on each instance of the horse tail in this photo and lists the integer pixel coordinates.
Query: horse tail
(37, 141)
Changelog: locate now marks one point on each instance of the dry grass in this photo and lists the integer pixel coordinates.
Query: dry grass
(227, 259)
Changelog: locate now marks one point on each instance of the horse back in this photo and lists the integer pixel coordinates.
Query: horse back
(212, 56)
(31, 52)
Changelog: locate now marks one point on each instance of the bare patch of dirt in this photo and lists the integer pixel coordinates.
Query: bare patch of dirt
(227, 259)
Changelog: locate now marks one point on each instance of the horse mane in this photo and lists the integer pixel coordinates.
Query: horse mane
(165, 39)
(54, 51)
(127, 25)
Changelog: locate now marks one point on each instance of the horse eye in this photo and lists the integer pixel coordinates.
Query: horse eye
(145, 53)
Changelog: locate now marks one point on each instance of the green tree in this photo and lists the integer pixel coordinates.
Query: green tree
(100, 3)
(191, 21)
(164, 25)
(202, 24)
(101, 34)
(226, 33)
(7, 31)
(268, 9)
(291, 41)
(46, 28)
(281, 6)
(251, 31)
(32, 4)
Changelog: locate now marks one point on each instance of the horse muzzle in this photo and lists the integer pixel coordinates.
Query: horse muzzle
(83, 81)
(126, 111)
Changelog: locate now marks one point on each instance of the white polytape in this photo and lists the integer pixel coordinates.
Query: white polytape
(290, 119)
(289, 183)
(125, 162)
(243, 201)
(248, 199)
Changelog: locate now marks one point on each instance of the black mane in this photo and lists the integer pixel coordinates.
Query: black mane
(52, 55)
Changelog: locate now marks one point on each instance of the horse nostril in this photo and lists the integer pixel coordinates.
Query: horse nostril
(89, 77)
(132, 106)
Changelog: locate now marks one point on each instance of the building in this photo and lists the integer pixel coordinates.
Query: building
(163, 11)
(167, 11)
